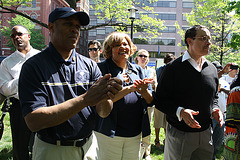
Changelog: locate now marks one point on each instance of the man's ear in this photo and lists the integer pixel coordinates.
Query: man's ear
(189, 41)
(50, 26)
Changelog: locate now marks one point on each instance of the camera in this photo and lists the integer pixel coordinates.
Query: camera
(234, 66)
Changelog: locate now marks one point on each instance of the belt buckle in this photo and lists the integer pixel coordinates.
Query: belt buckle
(58, 143)
(76, 141)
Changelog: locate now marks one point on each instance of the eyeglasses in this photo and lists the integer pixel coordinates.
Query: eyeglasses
(17, 34)
(94, 49)
(142, 56)
(204, 38)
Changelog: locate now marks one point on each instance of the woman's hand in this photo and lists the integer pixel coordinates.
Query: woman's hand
(142, 85)
(142, 88)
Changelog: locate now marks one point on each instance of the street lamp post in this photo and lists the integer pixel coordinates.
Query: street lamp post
(132, 11)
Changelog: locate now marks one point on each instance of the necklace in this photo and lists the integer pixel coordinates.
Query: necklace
(125, 74)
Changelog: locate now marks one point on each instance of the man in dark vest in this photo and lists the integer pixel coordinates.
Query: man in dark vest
(187, 93)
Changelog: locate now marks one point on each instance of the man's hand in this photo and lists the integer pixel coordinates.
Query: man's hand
(187, 116)
(103, 89)
(114, 86)
(217, 114)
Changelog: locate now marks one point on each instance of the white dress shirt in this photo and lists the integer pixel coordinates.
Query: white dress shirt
(10, 70)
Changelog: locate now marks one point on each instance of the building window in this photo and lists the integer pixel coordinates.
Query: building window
(166, 4)
(168, 29)
(100, 31)
(185, 28)
(93, 23)
(91, 2)
(99, 21)
(166, 16)
(34, 4)
(184, 18)
(154, 41)
(188, 5)
(92, 12)
(109, 30)
(92, 33)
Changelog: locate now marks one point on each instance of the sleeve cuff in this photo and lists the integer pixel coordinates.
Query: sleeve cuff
(178, 113)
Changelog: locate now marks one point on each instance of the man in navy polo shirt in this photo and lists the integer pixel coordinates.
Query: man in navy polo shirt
(57, 89)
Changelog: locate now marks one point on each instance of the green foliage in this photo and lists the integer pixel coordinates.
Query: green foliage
(222, 25)
(37, 39)
(8, 3)
(116, 11)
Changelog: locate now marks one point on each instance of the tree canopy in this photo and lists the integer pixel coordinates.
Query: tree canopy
(222, 25)
(113, 12)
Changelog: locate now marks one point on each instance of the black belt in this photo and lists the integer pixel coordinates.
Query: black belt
(75, 143)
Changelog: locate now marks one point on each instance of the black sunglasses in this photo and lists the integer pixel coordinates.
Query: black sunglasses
(94, 49)
(142, 56)
(17, 34)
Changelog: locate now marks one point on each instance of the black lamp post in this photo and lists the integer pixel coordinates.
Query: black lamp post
(132, 11)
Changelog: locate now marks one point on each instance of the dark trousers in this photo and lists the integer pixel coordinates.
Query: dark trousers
(20, 132)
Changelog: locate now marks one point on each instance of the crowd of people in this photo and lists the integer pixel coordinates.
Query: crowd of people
(67, 106)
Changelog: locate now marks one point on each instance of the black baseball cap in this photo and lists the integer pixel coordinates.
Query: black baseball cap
(67, 12)
(217, 64)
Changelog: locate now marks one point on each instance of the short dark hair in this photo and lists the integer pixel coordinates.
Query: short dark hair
(191, 32)
(168, 58)
(95, 42)
(18, 25)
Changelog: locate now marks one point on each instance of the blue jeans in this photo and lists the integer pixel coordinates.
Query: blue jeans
(218, 136)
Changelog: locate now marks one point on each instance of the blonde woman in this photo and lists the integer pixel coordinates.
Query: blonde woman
(142, 59)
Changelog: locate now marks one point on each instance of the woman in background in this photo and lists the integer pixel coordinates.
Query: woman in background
(142, 59)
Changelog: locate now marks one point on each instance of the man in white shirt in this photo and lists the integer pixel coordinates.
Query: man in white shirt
(10, 70)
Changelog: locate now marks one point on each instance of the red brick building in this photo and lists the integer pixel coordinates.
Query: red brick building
(40, 9)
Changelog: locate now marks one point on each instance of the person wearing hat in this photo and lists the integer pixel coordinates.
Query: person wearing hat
(61, 92)
(221, 70)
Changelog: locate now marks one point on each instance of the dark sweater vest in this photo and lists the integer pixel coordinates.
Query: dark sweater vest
(182, 85)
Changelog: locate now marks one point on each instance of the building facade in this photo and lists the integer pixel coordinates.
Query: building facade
(168, 10)
(40, 10)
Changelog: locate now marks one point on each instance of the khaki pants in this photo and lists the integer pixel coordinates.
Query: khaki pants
(118, 148)
(46, 151)
(181, 145)
(146, 141)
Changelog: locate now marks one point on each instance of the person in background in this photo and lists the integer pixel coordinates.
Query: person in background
(94, 50)
(218, 132)
(187, 94)
(222, 70)
(10, 70)
(160, 117)
(231, 149)
(119, 134)
(142, 59)
(61, 92)
(233, 71)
